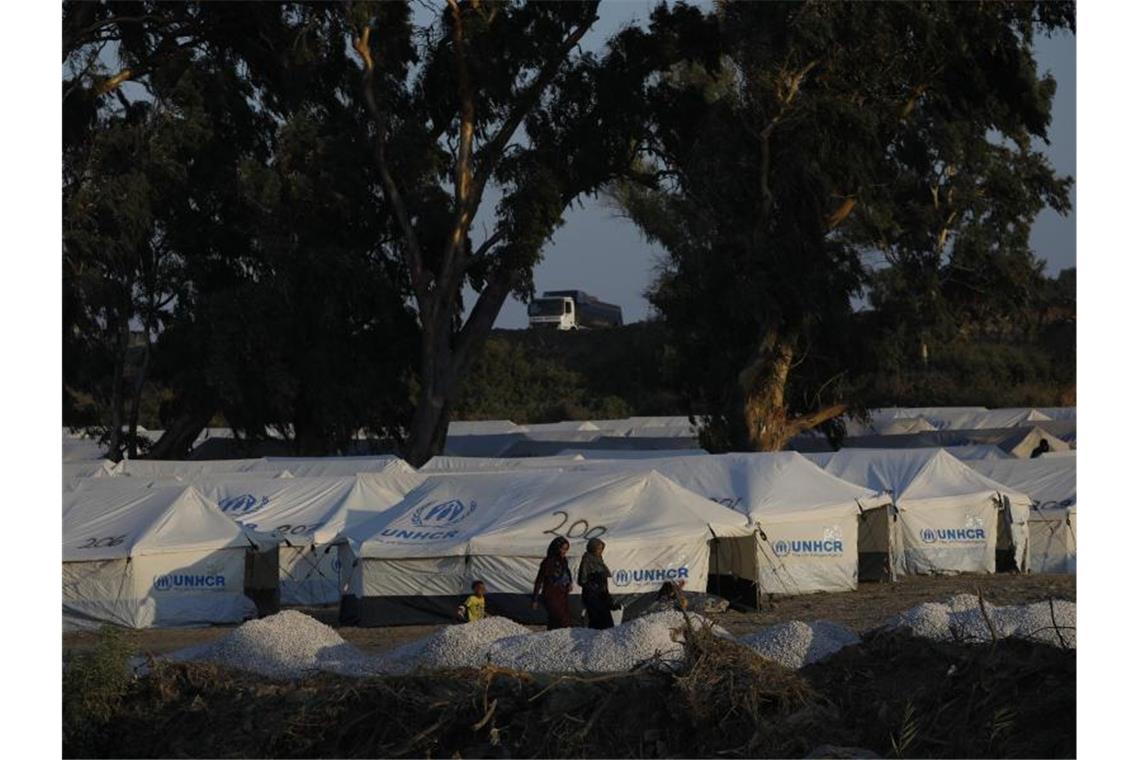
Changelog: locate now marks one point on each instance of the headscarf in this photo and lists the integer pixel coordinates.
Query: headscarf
(552, 550)
(592, 564)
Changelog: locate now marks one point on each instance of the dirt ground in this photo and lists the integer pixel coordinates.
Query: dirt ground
(869, 607)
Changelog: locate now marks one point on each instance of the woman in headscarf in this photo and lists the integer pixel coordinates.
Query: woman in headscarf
(593, 577)
(553, 585)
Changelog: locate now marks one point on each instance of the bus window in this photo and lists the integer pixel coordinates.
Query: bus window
(569, 307)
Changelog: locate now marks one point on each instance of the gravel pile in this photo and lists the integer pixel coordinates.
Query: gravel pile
(797, 643)
(284, 646)
(960, 619)
(456, 646)
(582, 650)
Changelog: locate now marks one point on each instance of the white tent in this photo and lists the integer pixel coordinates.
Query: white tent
(456, 465)
(903, 425)
(416, 559)
(809, 522)
(481, 444)
(483, 427)
(83, 450)
(634, 453)
(330, 467)
(1022, 443)
(307, 515)
(170, 468)
(152, 557)
(946, 514)
(1052, 483)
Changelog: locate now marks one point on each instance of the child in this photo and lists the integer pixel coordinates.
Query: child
(475, 607)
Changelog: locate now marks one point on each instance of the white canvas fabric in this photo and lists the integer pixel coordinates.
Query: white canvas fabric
(446, 464)
(1022, 443)
(947, 514)
(307, 515)
(330, 467)
(152, 557)
(481, 444)
(654, 530)
(160, 468)
(1052, 483)
(633, 453)
(497, 526)
(904, 425)
(483, 427)
(808, 520)
(83, 450)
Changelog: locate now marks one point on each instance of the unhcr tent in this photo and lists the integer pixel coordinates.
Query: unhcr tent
(1022, 443)
(1052, 483)
(810, 523)
(154, 557)
(414, 561)
(946, 517)
(307, 515)
(154, 469)
(330, 467)
(633, 453)
(445, 464)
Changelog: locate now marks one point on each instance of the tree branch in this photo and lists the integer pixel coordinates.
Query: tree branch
(482, 318)
(412, 253)
(492, 152)
(808, 421)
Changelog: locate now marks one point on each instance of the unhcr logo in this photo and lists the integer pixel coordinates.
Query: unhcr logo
(242, 505)
(808, 548)
(954, 535)
(188, 582)
(441, 515)
(650, 575)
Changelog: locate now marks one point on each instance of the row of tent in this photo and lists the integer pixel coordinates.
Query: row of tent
(149, 543)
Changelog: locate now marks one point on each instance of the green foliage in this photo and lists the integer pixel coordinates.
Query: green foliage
(94, 684)
(546, 376)
(825, 132)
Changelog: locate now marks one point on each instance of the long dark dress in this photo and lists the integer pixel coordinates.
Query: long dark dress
(553, 584)
(598, 602)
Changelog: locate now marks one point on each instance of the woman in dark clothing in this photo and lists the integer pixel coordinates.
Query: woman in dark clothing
(593, 577)
(553, 585)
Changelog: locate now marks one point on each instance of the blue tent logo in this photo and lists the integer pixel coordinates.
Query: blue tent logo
(442, 515)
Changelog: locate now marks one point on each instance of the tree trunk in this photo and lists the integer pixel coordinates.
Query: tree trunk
(179, 436)
(136, 400)
(115, 444)
(763, 385)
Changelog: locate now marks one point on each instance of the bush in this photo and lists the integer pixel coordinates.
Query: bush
(94, 684)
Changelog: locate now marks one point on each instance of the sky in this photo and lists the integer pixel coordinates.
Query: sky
(605, 255)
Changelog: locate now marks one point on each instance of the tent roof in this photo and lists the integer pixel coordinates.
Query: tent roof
(164, 468)
(766, 487)
(1021, 443)
(1052, 483)
(113, 524)
(620, 508)
(320, 467)
(445, 464)
(445, 514)
(915, 474)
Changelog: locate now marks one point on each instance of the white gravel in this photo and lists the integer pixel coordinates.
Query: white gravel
(961, 619)
(797, 643)
(287, 645)
(456, 646)
(582, 650)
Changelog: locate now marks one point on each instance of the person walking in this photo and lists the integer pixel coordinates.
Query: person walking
(553, 585)
(594, 578)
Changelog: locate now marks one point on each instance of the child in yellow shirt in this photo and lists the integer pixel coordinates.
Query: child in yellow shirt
(475, 606)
